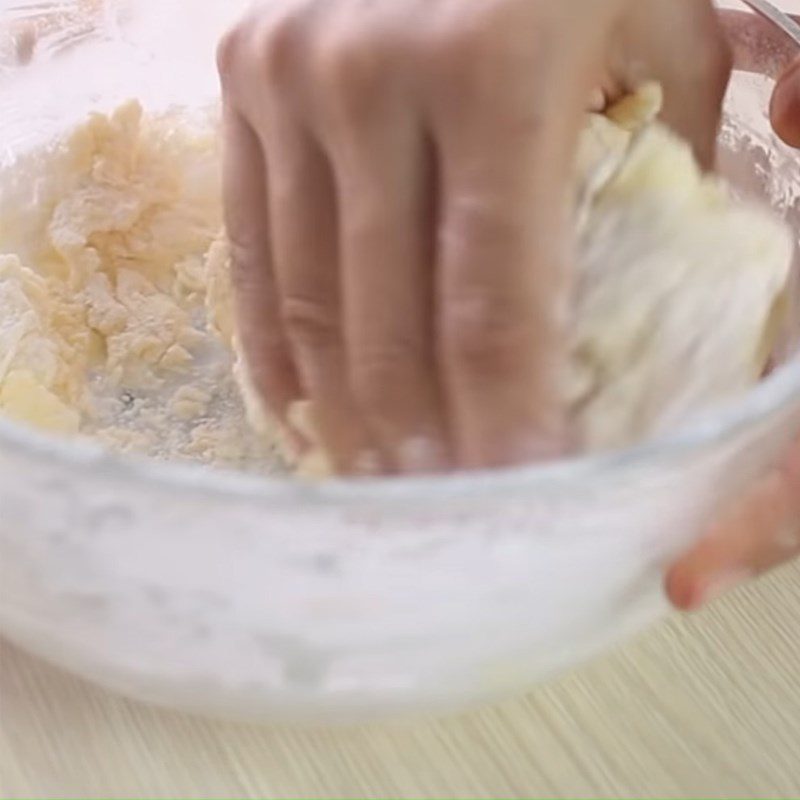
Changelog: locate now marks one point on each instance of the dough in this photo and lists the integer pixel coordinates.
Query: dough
(680, 286)
(108, 238)
(116, 318)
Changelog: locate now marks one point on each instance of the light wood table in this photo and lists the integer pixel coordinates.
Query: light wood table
(704, 706)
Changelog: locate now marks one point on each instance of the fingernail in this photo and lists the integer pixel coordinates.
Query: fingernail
(720, 585)
(421, 454)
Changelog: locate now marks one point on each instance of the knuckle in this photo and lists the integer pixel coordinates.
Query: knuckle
(280, 44)
(228, 51)
(380, 376)
(351, 69)
(245, 251)
(480, 220)
(485, 335)
(267, 47)
(246, 267)
(265, 349)
(461, 45)
(250, 276)
(465, 57)
(452, 59)
(309, 323)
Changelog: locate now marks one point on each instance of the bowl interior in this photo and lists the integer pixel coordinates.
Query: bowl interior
(156, 57)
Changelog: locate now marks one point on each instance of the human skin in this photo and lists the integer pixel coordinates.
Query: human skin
(378, 158)
(396, 194)
(761, 531)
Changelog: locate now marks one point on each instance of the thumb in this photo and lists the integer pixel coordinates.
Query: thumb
(785, 109)
(759, 533)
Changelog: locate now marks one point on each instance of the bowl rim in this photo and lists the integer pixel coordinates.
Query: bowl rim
(776, 395)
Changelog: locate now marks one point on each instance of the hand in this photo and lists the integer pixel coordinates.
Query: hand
(763, 530)
(395, 181)
(759, 533)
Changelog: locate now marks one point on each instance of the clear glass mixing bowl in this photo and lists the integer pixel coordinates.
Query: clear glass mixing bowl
(266, 599)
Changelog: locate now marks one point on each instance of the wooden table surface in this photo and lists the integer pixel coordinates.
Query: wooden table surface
(704, 706)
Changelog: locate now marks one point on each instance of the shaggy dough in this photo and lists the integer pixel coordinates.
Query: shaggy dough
(116, 318)
(681, 287)
(108, 235)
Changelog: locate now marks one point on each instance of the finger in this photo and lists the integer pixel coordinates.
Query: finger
(607, 91)
(247, 220)
(502, 282)
(388, 215)
(306, 242)
(762, 532)
(785, 109)
(601, 97)
(695, 79)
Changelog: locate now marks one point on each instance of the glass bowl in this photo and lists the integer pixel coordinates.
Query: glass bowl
(266, 599)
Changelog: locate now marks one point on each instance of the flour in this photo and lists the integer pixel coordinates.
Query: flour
(105, 330)
(116, 313)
